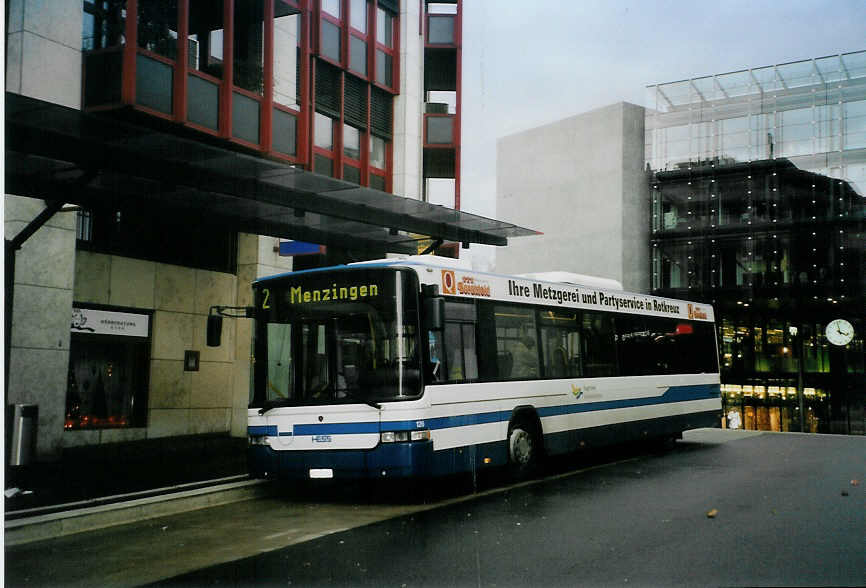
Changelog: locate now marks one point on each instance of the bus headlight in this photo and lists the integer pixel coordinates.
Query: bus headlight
(404, 436)
(258, 440)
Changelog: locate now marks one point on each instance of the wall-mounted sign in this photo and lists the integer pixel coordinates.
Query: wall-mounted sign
(105, 322)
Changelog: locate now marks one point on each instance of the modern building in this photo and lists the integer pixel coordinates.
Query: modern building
(158, 155)
(581, 182)
(749, 193)
(759, 207)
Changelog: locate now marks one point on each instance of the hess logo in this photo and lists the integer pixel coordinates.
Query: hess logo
(449, 282)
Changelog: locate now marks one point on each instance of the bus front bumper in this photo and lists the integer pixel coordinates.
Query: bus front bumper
(386, 460)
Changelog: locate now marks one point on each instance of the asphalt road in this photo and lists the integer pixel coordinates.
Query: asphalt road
(787, 509)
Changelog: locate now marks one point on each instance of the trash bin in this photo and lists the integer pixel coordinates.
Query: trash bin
(22, 444)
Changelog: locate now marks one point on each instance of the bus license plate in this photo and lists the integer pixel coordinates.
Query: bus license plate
(322, 473)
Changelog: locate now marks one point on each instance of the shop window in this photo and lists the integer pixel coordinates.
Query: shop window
(109, 359)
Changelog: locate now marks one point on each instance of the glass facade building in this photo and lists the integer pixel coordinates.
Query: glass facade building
(758, 197)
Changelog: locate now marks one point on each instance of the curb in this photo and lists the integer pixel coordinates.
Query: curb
(59, 524)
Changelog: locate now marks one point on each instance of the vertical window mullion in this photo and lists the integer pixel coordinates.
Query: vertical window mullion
(182, 63)
(225, 123)
(267, 113)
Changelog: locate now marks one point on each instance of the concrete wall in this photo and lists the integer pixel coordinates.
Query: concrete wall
(581, 182)
(43, 61)
(408, 106)
(211, 400)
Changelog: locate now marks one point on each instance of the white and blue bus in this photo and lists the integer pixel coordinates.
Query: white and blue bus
(411, 368)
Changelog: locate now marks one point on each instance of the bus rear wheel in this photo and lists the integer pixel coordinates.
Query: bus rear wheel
(524, 450)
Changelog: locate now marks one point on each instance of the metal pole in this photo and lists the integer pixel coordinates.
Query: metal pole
(800, 383)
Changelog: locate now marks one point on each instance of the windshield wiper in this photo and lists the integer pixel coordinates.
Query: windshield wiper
(355, 396)
(269, 404)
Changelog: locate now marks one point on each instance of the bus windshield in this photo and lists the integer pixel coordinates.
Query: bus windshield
(345, 336)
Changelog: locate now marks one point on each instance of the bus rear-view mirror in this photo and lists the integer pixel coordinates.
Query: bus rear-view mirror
(434, 311)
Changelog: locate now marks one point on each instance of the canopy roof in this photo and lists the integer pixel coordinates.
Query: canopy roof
(54, 152)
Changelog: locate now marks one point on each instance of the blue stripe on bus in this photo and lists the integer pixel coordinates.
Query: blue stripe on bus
(673, 394)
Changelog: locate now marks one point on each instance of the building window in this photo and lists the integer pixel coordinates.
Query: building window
(384, 68)
(384, 28)
(206, 37)
(287, 36)
(324, 132)
(249, 46)
(332, 7)
(351, 174)
(351, 142)
(330, 41)
(104, 22)
(377, 152)
(109, 358)
(358, 55)
(157, 27)
(358, 15)
(441, 29)
(323, 165)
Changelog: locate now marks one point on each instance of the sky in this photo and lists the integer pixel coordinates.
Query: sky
(526, 64)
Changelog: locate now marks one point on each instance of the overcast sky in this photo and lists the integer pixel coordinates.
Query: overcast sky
(530, 63)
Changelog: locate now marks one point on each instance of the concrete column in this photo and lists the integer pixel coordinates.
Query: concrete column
(43, 61)
(408, 106)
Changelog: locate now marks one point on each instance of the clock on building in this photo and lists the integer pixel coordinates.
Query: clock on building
(839, 332)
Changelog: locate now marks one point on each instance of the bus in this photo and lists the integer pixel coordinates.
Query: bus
(415, 368)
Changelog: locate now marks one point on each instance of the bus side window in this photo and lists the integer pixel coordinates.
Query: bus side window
(516, 342)
(458, 349)
(560, 340)
(599, 345)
